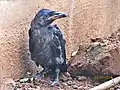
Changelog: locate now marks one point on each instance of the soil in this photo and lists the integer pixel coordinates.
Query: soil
(93, 64)
(88, 18)
(66, 83)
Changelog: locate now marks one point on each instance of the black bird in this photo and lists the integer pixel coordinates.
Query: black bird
(47, 44)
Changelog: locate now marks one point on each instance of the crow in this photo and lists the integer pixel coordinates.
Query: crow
(47, 44)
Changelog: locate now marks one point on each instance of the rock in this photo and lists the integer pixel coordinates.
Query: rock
(74, 53)
(81, 87)
(61, 89)
(117, 87)
(37, 87)
(90, 86)
(17, 89)
(65, 77)
(75, 87)
(99, 58)
(86, 88)
(67, 74)
(81, 78)
(70, 83)
(65, 84)
(96, 39)
(113, 89)
(24, 80)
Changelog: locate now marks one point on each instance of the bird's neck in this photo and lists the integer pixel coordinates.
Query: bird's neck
(41, 23)
(48, 22)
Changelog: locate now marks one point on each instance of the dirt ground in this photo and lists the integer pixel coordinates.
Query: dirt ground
(68, 83)
(90, 66)
(89, 19)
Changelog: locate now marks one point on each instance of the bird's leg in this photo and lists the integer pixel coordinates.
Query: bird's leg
(56, 77)
(41, 74)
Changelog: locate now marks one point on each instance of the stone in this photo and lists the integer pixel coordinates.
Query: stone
(99, 58)
(75, 87)
(70, 83)
(81, 78)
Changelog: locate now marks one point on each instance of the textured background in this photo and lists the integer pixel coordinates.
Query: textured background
(88, 19)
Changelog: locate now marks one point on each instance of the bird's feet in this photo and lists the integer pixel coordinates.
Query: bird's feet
(38, 76)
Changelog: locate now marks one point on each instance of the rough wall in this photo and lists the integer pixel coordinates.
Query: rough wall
(88, 19)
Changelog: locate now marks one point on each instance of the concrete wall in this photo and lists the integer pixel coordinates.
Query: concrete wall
(88, 19)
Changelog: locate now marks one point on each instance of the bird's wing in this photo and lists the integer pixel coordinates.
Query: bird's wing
(61, 40)
(31, 44)
(59, 34)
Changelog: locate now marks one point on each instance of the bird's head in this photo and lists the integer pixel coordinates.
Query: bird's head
(47, 16)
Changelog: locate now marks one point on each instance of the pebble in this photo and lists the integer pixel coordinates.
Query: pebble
(86, 88)
(112, 89)
(80, 87)
(81, 78)
(29, 88)
(118, 89)
(65, 84)
(62, 89)
(89, 85)
(70, 83)
(74, 53)
(65, 77)
(75, 87)
(17, 89)
(67, 74)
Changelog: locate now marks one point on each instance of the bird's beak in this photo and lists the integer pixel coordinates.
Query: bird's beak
(58, 15)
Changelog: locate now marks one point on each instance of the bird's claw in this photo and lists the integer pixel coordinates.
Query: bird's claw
(39, 76)
(54, 83)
